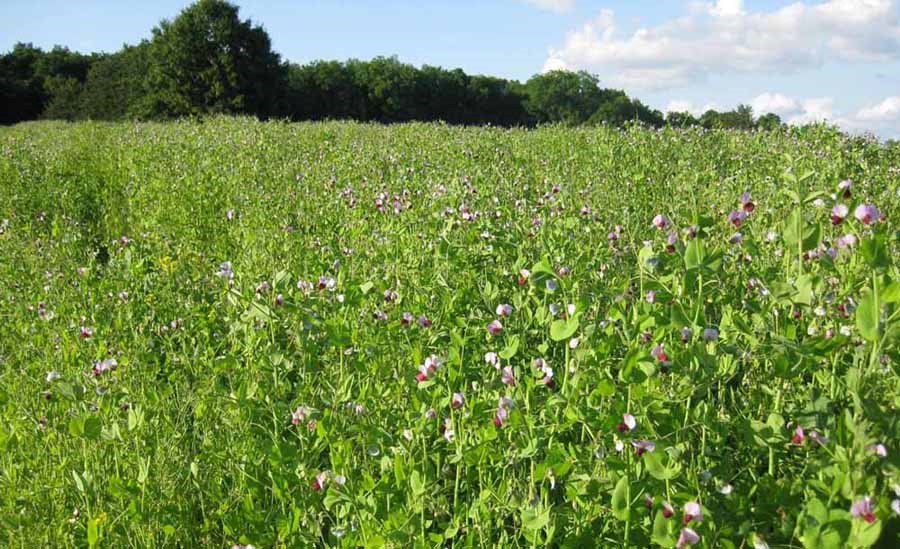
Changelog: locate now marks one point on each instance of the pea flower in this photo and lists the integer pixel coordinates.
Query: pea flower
(406, 318)
(686, 538)
(320, 481)
(667, 510)
(492, 359)
(628, 423)
(52, 376)
(838, 213)
(457, 401)
(424, 321)
(747, 202)
(799, 435)
(502, 413)
(686, 334)
(846, 241)
(504, 310)
(103, 366)
(299, 415)
(863, 508)
(659, 353)
(671, 242)
(710, 334)
(495, 327)
(692, 511)
(86, 332)
(845, 186)
(508, 377)
(641, 446)
(737, 217)
(523, 276)
(660, 221)
(879, 450)
(651, 296)
(866, 214)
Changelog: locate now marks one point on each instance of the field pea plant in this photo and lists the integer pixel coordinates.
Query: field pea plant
(231, 333)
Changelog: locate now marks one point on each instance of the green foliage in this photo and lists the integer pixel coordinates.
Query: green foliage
(207, 60)
(234, 416)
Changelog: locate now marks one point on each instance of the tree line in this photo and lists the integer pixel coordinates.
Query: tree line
(207, 60)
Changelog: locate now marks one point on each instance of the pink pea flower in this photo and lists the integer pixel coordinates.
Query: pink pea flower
(492, 359)
(539, 363)
(495, 327)
(424, 321)
(747, 202)
(641, 446)
(799, 435)
(692, 511)
(659, 353)
(863, 508)
(671, 242)
(390, 295)
(86, 332)
(651, 296)
(326, 283)
(457, 401)
(838, 213)
(845, 186)
(628, 423)
(737, 217)
(504, 310)
(508, 377)
(406, 318)
(299, 415)
(667, 510)
(686, 538)
(502, 413)
(866, 214)
(103, 366)
(548, 376)
(879, 450)
(52, 376)
(564, 271)
(710, 334)
(660, 221)
(686, 334)
(279, 300)
(648, 501)
(736, 238)
(523, 276)
(319, 482)
(846, 241)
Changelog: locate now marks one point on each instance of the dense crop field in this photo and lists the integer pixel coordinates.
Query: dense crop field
(233, 332)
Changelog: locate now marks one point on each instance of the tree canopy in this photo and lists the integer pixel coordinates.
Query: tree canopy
(208, 60)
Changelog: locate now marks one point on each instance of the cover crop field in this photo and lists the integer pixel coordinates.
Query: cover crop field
(283, 335)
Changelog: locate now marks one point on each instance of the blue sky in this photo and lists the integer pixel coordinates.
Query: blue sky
(804, 59)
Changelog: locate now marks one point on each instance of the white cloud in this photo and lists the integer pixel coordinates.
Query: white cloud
(723, 38)
(727, 8)
(887, 110)
(774, 103)
(558, 6)
(687, 106)
(817, 109)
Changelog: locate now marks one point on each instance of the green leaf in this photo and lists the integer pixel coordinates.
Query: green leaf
(563, 329)
(865, 534)
(416, 484)
(620, 501)
(76, 426)
(875, 251)
(366, 287)
(511, 347)
(695, 254)
(658, 470)
(606, 388)
(891, 294)
(662, 531)
(93, 428)
(535, 518)
(867, 317)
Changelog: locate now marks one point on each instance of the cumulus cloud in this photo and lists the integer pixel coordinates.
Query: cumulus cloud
(679, 105)
(886, 111)
(774, 103)
(816, 109)
(722, 37)
(558, 6)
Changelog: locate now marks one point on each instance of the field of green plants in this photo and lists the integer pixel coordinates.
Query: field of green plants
(230, 333)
